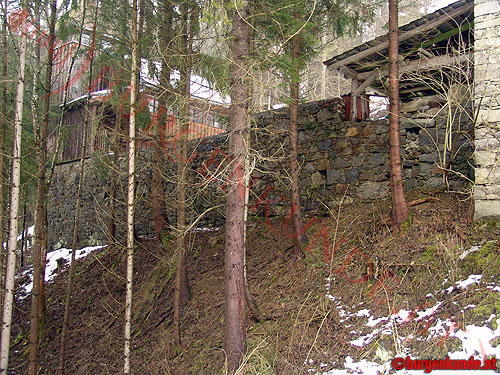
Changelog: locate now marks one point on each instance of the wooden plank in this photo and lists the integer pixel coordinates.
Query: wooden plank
(415, 65)
(405, 35)
(413, 89)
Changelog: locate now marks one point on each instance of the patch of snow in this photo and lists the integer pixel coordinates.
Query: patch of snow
(476, 341)
(279, 106)
(201, 88)
(372, 322)
(93, 95)
(402, 316)
(490, 319)
(468, 251)
(427, 313)
(52, 262)
(362, 367)
(202, 229)
(366, 339)
(441, 328)
(449, 290)
(470, 280)
(469, 307)
(30, 232)
(364, 312)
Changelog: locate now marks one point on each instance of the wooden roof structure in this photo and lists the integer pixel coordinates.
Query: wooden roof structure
(426, 45)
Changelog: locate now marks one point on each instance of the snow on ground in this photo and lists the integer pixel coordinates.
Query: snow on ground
(28, 233)
(54, 259)
(476, 340)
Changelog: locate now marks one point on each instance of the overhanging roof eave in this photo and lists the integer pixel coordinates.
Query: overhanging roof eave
(421, 25)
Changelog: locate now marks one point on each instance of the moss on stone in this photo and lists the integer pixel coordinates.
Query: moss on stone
(485, 261)
(489, 305)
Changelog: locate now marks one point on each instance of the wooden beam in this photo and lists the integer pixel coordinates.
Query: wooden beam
(415, 65)
(348, 72)
(364, 85)
(413, 89)
(457, 30)
(405, 35)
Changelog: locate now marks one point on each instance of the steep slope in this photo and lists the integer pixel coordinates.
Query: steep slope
(316, 311)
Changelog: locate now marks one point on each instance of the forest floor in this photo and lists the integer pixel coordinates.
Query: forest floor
(378, 296)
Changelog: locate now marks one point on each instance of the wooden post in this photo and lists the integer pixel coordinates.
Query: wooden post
(354, 100)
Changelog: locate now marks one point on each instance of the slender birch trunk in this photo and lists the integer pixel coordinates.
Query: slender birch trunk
(130, 195)
(399, 206)
(3, 130)
(14, 209)
(234, 313)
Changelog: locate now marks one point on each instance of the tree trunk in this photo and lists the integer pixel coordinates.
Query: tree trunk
(4, 124)
(130, 195)
(182, 292)
(113, 182)
(14, 210)
(37, 306)
(299, 236)
(159, 211)
(399, 207)
(69, 288)
(234, 314)
(43, 264)
(24, 233)
(252, 306)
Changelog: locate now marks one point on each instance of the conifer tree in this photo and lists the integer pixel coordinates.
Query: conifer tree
(234, 316)
(399, 206)
(296, 28)
(37, 305)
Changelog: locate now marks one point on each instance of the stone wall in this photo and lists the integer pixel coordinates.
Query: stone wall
(338, 160)
(438, 143)
(487, 97)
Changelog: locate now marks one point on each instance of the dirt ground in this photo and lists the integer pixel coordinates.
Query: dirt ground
(352, 259)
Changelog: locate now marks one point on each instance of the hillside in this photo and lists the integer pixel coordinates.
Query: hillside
(379, 296)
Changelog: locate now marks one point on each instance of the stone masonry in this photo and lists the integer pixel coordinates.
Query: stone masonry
(487, 98)
(338, 160)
